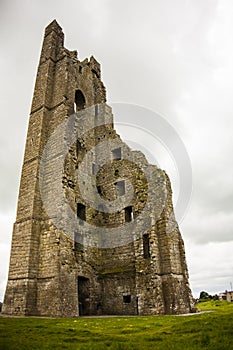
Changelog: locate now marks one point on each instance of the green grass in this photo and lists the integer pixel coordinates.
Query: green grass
(212, 330)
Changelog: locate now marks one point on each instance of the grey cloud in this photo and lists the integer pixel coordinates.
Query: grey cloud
(210, 267)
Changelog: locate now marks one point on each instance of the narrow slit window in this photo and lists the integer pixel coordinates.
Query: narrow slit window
(93, 169)
(96, 110)
(116, 154)
(78, 147)
(128, 214)
(146, 246)
(81, 211)
(99, 190)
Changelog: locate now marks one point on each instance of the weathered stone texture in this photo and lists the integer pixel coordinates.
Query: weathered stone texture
(53, 273)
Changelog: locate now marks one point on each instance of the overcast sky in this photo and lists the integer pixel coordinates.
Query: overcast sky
(172, 57)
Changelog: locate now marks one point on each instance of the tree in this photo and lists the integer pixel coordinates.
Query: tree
(204, 296)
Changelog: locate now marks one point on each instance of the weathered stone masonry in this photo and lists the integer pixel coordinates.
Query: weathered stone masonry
(54, 274)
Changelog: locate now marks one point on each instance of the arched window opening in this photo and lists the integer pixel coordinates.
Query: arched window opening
(79, 101)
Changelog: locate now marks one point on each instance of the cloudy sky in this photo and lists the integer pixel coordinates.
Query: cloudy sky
(171, 57)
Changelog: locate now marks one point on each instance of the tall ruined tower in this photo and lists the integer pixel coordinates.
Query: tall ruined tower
(95, 231)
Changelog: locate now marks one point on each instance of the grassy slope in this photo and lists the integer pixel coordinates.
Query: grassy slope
(212, 331)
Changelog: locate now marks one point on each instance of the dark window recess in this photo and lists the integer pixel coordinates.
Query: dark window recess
(80, 68)
(81, 211)
(116, 173)
(120, 185)
(79, 100)
(127, 299)
(78, 147)
(99, 190)
(146, 246)
(128, 214)
(116, 153)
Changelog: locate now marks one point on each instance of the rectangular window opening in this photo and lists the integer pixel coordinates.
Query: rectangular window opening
(127, 299)
(81, 211)
(99, 190)
(116, 154)
(129, 214)
(120, 185)
(101, 207)
(78, 241)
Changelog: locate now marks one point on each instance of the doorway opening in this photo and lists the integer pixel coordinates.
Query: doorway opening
(84, 296)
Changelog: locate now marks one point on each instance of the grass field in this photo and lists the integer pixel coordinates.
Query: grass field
(212, 330)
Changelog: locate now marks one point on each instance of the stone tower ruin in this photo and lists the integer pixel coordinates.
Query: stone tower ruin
(95, 232)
